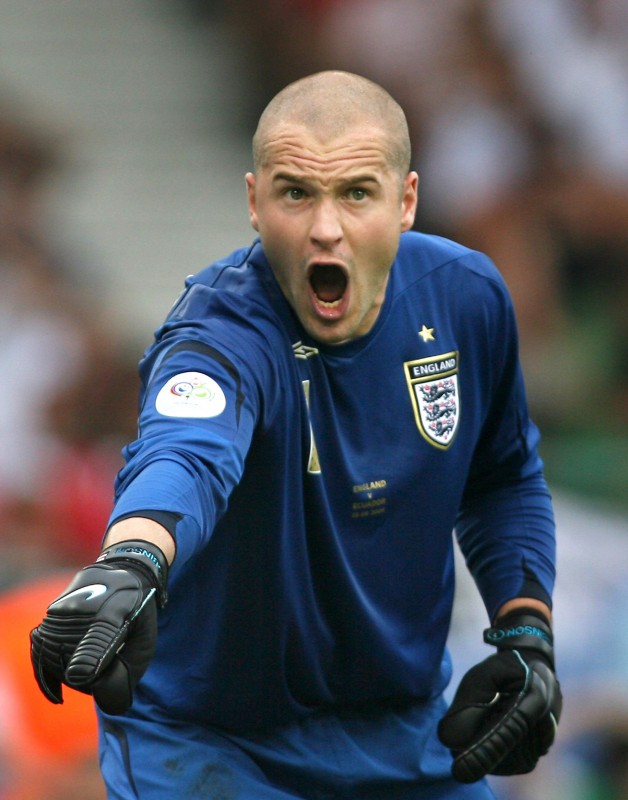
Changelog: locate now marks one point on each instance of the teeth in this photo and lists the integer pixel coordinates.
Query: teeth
(329, 304)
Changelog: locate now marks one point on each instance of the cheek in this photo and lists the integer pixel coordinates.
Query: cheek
(281, 256)
(274, 228)
(277, 245)
(381, 248)
(378, 253)
(283, 241)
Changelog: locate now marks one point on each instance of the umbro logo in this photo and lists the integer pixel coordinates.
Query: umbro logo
(303, 351)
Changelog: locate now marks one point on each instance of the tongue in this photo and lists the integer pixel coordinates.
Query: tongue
(328, 282)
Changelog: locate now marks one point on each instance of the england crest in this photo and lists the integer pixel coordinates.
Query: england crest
(435, 394)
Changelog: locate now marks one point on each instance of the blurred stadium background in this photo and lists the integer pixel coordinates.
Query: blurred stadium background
(124, 139)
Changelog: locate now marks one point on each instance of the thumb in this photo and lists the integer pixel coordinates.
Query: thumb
(113, 692)
(114, 686)
(460, 726)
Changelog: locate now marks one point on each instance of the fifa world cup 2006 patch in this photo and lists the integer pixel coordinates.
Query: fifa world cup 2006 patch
(435, 394)
(191, 394)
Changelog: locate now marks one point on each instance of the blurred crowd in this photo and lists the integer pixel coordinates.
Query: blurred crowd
(519, 119)
(70, 390)
(67, 406)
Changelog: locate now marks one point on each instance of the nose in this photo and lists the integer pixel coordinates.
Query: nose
(326, 229)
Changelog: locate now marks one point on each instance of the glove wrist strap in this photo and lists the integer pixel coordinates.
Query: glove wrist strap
(522, 630)
(142, 555)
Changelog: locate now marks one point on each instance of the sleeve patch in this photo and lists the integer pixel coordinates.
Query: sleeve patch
(191, 394)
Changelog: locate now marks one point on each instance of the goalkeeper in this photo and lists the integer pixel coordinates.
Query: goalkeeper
(268, 617)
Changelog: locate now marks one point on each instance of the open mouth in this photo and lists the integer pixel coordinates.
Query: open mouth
(328, 283)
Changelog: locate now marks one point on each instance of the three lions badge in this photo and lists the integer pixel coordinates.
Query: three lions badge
(435, 394)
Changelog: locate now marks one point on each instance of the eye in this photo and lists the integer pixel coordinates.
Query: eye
(357, 193)
(295, 193)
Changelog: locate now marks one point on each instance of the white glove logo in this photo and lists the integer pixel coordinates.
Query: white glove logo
(91, 591)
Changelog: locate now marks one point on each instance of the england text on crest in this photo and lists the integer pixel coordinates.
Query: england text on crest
(435, 393)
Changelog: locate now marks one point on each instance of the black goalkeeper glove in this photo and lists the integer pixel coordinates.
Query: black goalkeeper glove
(100, 634)
(504, 715)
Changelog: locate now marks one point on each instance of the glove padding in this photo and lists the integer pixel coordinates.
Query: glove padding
(100, 634)
(505, 712)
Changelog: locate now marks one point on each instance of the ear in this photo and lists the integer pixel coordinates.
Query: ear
(409, 200)
(250, 190)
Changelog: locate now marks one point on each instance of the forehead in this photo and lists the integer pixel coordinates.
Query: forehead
(361, 147)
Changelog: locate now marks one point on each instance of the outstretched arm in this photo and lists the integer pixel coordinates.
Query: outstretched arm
(133, 528)
(100, 634)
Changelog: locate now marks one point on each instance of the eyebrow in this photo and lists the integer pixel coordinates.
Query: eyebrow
(349, 181)
(363, 178)
(286, 176)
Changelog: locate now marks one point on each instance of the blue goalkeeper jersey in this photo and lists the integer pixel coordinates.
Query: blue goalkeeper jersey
(317, 487)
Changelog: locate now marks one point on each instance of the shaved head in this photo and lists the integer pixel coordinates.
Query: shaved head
(330, 103)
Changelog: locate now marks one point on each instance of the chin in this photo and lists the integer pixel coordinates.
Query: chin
(332, 337)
